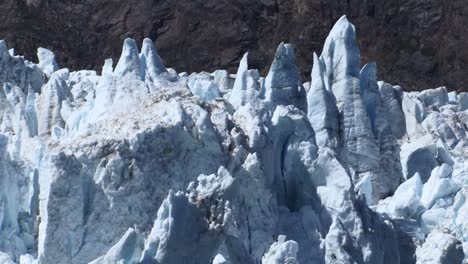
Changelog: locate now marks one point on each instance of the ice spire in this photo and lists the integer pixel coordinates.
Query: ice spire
(246, 86)
(151, 64)
(47, 61)
(364, 130)
(283, 83)
(238, 90)
(341, 57)
(3, 50)
(322, 111)
(129, 62)
(388, 178)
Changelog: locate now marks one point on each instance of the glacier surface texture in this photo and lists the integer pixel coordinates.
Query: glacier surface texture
(141, 164)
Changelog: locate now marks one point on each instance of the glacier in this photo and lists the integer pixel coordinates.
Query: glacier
(141, 164)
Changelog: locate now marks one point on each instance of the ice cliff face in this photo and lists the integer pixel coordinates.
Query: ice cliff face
(140, 164)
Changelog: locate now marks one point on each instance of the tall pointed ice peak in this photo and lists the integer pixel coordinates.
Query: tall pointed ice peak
(243, 67)
(47, 61)
(341, 56)
(342, 28)
(238, 95)
(283, 85)
(317, 74)
(361, 149)
(392, 100)
(151, 63)
(283, 71)
(129, 62)
(3, 49)
(387, 175)
(105, 90)
(322, 111)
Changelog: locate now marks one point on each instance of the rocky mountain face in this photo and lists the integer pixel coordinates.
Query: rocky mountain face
(140, 164)
(418, 44)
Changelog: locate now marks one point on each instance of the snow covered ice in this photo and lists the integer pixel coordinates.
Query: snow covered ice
(141, 164)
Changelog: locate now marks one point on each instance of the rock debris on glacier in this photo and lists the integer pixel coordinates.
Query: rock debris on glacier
(143, 165)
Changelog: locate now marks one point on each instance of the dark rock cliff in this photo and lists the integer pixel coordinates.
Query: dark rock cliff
(417, 43)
